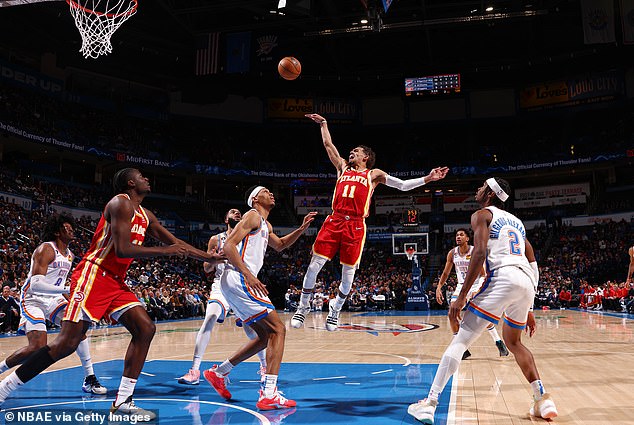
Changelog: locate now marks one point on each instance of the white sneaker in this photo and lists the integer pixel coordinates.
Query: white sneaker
(297, 321)
(92, 385)
(544, 408)
(332, 321)
(129, 408)
(190, 378)
(423, 411)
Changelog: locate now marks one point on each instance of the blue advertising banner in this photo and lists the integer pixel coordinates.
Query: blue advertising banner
(30, 79)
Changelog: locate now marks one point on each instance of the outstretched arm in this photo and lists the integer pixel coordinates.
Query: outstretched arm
(284, 242)
(380, 176)
(333, 153)
(157, 231)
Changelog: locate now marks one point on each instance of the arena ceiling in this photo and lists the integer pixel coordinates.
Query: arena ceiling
(414, 37)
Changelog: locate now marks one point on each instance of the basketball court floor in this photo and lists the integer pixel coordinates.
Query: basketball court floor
(367, 372)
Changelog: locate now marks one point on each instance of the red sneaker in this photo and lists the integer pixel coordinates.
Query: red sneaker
(218, 381)
(277, 401)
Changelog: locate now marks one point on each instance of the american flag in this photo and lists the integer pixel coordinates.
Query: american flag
(207, 54)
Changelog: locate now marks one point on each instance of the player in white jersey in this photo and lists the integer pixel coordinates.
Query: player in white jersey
(512, 275)
(41, 298)
(460, 257)
(217, 306)
(248, 297)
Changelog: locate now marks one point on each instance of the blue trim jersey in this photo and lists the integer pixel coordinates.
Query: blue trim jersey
(507, 242)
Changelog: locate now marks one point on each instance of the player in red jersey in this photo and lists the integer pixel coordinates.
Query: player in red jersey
(98, 288)
(344, 229)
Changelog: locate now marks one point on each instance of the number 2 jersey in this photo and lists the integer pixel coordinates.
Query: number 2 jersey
(506, 246)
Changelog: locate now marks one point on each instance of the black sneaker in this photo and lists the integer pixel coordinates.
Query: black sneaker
(466, 355)
(502, 348)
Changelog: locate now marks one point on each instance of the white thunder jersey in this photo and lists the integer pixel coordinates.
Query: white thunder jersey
(461, 263)
(506, 246)
(253, 247)
(56, 273)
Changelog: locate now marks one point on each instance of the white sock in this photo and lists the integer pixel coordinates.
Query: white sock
(3, 366)
(494, 333)
(224, 368)
(262, 357)
(304, 299)
(270, 385)
(538, 389)
(196, 362)
(338, 303)
(8, 385)
(83, 352)
(126, 388)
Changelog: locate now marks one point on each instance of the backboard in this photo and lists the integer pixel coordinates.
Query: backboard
(402, 241)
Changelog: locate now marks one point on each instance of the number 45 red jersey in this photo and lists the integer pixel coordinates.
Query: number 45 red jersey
(353, 192)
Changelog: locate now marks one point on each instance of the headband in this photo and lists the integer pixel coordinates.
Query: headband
(495, 187)
(253, 194)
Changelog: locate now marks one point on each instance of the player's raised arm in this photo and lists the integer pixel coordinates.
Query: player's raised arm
(380, 176)
(284, 242)
(333, 153)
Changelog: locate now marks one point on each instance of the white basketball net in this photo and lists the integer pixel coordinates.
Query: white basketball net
(97, 20)
(410, 253)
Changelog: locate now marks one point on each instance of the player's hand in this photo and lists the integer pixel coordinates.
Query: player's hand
(217, 256)
(439, 298)
(257, 286)
(308, 219)
(530, 324)
(177, 250)
(437, 174)
(455, 309)
(316, 117)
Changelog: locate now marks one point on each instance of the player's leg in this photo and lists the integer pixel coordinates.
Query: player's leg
(334, 306)
(471, 328)
(252, 334)
(36, 340)
(352, 241)
(270, 398)
(214, 311)
(310, 278)
(136, 320)
(91, 383)
(515, 318)
(65, 343)
(33, 323)
(325, 247)
(454, 325)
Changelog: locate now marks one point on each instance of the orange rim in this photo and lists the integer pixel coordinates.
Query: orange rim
(78, 6)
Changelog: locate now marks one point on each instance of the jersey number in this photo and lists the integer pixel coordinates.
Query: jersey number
(345, 193)
(514, 243)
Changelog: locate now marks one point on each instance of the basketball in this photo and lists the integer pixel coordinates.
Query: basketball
(289, 68)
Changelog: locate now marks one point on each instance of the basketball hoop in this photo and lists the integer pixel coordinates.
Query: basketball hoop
(97, 20)
(410, 251)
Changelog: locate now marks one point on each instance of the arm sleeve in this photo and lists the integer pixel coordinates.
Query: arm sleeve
(404, 185)
(39, 286)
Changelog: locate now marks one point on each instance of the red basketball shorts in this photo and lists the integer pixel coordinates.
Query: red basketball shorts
(95, 293)
(343, 235)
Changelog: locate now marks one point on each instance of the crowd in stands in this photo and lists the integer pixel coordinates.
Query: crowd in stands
(579, 267)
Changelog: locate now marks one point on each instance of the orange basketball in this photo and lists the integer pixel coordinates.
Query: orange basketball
(289, 68)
